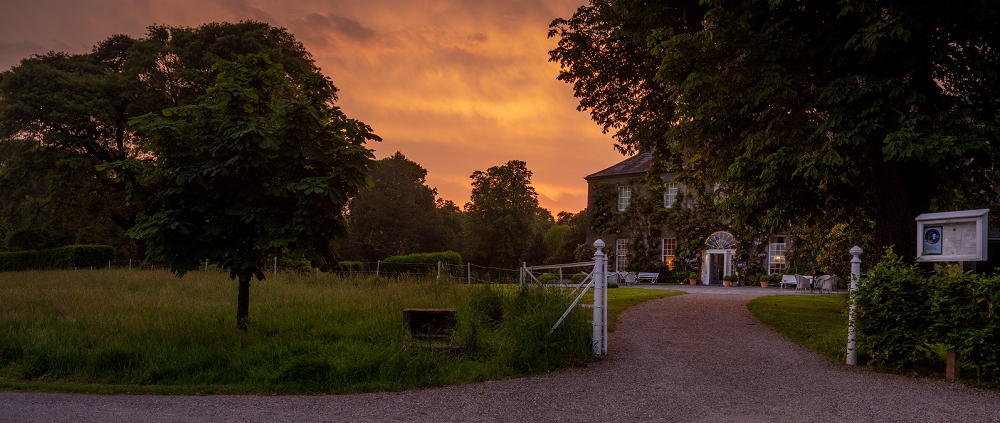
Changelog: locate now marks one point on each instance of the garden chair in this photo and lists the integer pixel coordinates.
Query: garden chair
(613, 277)
(629, 278)
(787, 280)
(802, 283)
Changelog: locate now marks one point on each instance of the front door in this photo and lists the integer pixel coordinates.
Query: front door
(719, 264)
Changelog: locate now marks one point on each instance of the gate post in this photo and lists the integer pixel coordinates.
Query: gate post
(852, 354)
(599, 300)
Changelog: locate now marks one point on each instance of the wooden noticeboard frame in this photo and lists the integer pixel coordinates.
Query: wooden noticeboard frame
(952, 236)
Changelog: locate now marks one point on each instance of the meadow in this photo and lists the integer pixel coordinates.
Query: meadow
(122, 331)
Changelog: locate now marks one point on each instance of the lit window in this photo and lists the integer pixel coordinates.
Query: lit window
(624, 196)
(670, 195)
(776, 259)
(621, 255)
(669, 245)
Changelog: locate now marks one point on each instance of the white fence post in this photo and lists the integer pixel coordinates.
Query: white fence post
(599, 300)
(377, 265)
(852, 354)
(129, 264)
(469, 272)
(438, 279)
(275, 265)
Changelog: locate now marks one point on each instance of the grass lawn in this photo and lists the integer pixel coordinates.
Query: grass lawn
(118, 331)
(817, 322)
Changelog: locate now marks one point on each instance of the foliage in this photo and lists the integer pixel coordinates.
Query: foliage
(420, 263)
(964, 308)
(398, 190)
(800, 112)
(65, 257)
(147, 332)
(906, 320)
(262, 166)
(504, 225)
(68, 114)
(893, 313)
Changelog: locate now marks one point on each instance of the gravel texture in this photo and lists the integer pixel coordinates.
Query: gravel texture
(692, 358)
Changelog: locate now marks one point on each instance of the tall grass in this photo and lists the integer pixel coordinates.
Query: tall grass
(147, 331)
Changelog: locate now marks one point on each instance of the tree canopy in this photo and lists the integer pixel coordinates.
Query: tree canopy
(805, 113)
(263, 165)
(79, 105)
(504, 224)
(399, 215)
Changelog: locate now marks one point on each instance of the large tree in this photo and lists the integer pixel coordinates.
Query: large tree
(263, 165)
(807, 112)
(398, 215)
(80, 104)
(504, 224)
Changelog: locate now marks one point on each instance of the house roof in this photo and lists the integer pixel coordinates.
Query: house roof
(637, 164)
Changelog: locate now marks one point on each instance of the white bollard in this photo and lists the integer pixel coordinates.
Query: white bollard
(852, 354)
(599, 300)
(468, 267)
(275, 265)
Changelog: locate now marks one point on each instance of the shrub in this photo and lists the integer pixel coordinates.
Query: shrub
(548, 277)
(579, 277)
(420, 263)
(893, 314)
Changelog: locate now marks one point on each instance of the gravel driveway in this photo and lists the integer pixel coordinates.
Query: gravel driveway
(692, 358)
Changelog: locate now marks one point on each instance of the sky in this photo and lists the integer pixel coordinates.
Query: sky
(455, 85)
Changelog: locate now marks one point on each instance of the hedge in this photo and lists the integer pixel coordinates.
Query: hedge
(422, 263)
(906, 318)
(67, 257)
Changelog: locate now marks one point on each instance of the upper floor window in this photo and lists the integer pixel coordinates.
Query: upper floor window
(670, 195)
(624, 196)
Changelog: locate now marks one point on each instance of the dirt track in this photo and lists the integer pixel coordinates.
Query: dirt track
(698, 357)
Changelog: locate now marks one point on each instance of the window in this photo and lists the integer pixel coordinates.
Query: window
(669, 245)
(776, 262)
(624, 195)
(670, 195)
(621, 254)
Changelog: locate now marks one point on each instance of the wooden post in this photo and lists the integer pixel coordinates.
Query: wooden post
(951, 372)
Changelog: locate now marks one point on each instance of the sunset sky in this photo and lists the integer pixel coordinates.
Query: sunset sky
(456, 86)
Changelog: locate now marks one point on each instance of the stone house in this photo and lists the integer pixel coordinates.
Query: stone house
(611, 197)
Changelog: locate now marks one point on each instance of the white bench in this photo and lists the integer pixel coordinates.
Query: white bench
(647, 277)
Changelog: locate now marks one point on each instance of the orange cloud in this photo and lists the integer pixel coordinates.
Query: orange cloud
(455, 85)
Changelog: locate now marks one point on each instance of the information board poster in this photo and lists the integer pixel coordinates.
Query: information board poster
(932, 240)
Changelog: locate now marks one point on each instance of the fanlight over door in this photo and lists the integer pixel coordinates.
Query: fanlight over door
(720, 241)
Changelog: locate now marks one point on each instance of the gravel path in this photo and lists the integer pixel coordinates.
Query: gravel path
(692, 358)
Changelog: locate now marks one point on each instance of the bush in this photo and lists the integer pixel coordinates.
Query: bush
(420, 263)
(893, 314)
(68, 257)
(351, 266)
(579, 277)
(548, 277)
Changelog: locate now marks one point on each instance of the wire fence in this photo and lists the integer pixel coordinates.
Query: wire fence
(468, 273)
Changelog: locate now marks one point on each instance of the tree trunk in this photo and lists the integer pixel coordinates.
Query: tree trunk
(243, 303)
(901, 192)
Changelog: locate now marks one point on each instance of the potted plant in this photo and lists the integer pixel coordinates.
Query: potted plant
(693, 278)
(728, 280)
(765, 280)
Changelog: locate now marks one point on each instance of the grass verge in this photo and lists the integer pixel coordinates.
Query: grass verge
(817, 322)
(117, 331)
